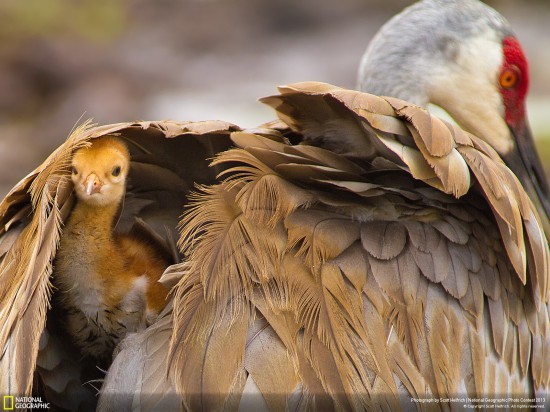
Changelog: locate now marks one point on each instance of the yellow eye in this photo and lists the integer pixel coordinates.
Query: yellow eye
(508, 78)
(74, 171)
(116, 171)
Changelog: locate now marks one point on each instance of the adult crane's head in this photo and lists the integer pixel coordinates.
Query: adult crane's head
(462, 56)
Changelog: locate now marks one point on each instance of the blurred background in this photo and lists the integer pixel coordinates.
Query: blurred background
(64, 61)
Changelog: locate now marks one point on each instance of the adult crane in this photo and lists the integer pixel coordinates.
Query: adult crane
(410, 266)
(390, 260)
(464, 57)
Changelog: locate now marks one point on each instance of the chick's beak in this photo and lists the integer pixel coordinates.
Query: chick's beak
(92, 184)
(526, 164)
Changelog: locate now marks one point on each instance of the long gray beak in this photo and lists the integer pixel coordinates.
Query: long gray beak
(526, 164)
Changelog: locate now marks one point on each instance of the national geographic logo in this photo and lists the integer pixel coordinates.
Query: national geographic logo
(10, 403)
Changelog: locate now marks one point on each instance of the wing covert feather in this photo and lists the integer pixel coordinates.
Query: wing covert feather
(428, 281)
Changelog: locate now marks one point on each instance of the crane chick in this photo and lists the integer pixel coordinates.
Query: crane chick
(107, 282)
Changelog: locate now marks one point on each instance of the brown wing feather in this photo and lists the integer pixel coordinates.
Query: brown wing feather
(24, 275)
(420, 269)
(32, 213)
(394, 288)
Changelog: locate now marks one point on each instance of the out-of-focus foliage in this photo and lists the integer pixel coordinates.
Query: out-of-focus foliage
(94, 20)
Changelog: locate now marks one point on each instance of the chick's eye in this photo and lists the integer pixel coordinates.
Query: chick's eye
(74, 171)
(116, 171)
(508, 78)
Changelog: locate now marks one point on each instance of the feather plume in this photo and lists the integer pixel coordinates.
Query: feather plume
(391, 255)
(32, 215)
(412, 264)
(26, 268)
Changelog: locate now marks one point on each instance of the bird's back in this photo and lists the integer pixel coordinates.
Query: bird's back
(372, 283)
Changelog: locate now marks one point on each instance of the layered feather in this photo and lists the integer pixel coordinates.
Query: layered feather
(31, 221)
(405, 262)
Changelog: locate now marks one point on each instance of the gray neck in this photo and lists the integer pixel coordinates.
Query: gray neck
(419, 44)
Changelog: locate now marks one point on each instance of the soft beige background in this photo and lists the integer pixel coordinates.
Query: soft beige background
(62, 61)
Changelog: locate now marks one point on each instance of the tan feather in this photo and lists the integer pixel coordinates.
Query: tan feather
(138, 378)
(391, 266)
(313, 235)
(444, 341)
(25, 270)
(197, 372)
(31, 217)
(270, 366)
(364, 266)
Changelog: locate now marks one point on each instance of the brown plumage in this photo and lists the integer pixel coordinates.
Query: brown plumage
(107, 282)
(335, 282)
(166, 158)
(419, 271)
(389, 256)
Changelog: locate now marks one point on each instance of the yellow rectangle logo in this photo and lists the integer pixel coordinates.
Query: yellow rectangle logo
(8, 403)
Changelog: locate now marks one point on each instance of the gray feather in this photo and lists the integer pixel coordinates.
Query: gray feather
(419, 42)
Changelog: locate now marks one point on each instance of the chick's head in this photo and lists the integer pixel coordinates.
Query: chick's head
(99, 171)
